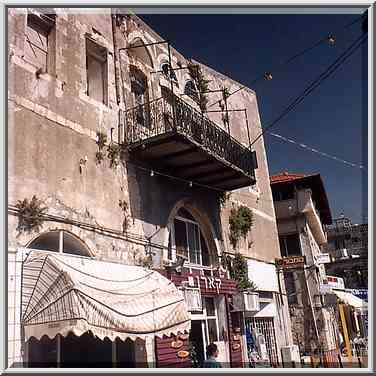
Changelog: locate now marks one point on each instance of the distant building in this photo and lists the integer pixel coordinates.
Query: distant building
(348, 249)
(302, 210)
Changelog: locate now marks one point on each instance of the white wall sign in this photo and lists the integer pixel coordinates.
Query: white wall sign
(335, 282)
(323, 258)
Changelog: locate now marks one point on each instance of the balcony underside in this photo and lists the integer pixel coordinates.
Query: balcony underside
(180, 156)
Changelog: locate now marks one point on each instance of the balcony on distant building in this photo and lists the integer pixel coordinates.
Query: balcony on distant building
(172, 137)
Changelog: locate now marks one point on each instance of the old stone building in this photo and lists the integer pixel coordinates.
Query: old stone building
(108, 130)
(348, 249)
(302, 210)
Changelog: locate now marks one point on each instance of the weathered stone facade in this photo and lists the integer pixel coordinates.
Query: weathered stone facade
(52, 145)
(348, 250)
(300, 209)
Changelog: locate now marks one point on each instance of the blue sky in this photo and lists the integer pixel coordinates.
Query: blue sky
(332, 119)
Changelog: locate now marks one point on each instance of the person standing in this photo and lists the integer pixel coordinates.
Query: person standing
(212, 354)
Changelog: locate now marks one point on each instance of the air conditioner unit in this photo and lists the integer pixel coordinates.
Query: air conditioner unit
(290, 354)
(192, 297)
(330, 300)
(344, 253)
(246, 302)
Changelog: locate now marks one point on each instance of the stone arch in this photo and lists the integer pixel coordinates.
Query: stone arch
(204, 222)
(50, 241)
(140, 55)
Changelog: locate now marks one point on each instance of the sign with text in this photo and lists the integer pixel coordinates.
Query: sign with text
(291, 262)
(360, 293)
(323, 258)
(335, 282)
(325, 289)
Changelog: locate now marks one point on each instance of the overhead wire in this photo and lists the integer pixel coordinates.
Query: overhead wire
(313, 150)
(312, 86)
(355, 45)
(294, 57)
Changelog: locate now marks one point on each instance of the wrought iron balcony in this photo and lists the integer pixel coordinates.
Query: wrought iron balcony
(172, 137)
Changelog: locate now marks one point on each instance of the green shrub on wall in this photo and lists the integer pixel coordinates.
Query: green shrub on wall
(30, 213)
(240, 222)
(238, 270)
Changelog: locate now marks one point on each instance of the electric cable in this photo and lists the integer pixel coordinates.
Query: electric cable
(315, 83)
(294, 57)
(313, 150)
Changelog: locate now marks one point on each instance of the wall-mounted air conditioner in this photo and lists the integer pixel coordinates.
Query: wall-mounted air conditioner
(246, 302)
(343, 253)
(330, 300)
(192, 297)
(290, 354)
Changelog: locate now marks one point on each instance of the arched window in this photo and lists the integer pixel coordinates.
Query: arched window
(191, 90)
(60, 241)
(168, 73)
(187, 240)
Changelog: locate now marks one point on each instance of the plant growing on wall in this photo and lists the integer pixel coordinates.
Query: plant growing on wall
(113, 154)
(30, 213)
(241, 222)
(224, 197)
(193, 355)
(124, 207)
(147, 262)
(101, 142)
(238, 270)
(201, 83)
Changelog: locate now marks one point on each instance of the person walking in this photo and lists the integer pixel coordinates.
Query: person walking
(212, 354)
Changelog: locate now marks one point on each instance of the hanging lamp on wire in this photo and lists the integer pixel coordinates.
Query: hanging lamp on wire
(331, 39)
(268, 76)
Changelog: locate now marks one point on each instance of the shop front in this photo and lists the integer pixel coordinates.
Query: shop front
(81, 312)
(209, 294)
(267, 329)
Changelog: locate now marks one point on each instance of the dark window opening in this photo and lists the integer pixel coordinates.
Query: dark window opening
(38, 41)
(290, 287)
(139, 89)
(283, 193)
(191, 90)
(169, 73)
(96, 69)
(290, 245)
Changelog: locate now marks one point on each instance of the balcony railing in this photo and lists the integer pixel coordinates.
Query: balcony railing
(165, 116)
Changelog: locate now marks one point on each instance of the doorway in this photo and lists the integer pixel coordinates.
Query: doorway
(197, 341)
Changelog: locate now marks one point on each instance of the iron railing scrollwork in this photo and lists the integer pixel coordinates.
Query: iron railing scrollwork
(165, 115)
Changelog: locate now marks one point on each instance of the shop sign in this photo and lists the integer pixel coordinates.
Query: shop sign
(323, 258)
(291, 262)
(335, 282)
(360, 293)
(205, 283)
(183, 354)
(325, 289)
(192, 297)
(177, 344)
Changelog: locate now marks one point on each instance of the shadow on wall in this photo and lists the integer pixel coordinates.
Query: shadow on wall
(152, 198)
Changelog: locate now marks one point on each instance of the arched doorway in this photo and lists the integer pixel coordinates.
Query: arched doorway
(191, 238)
(140, 68)
(140, 93)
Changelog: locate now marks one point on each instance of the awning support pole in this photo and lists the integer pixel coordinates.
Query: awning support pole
(345, 332)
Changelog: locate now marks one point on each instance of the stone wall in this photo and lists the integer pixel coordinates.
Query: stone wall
(52, 132)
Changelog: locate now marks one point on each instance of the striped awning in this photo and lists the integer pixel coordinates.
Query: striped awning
(350, 299)
(65, 293)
